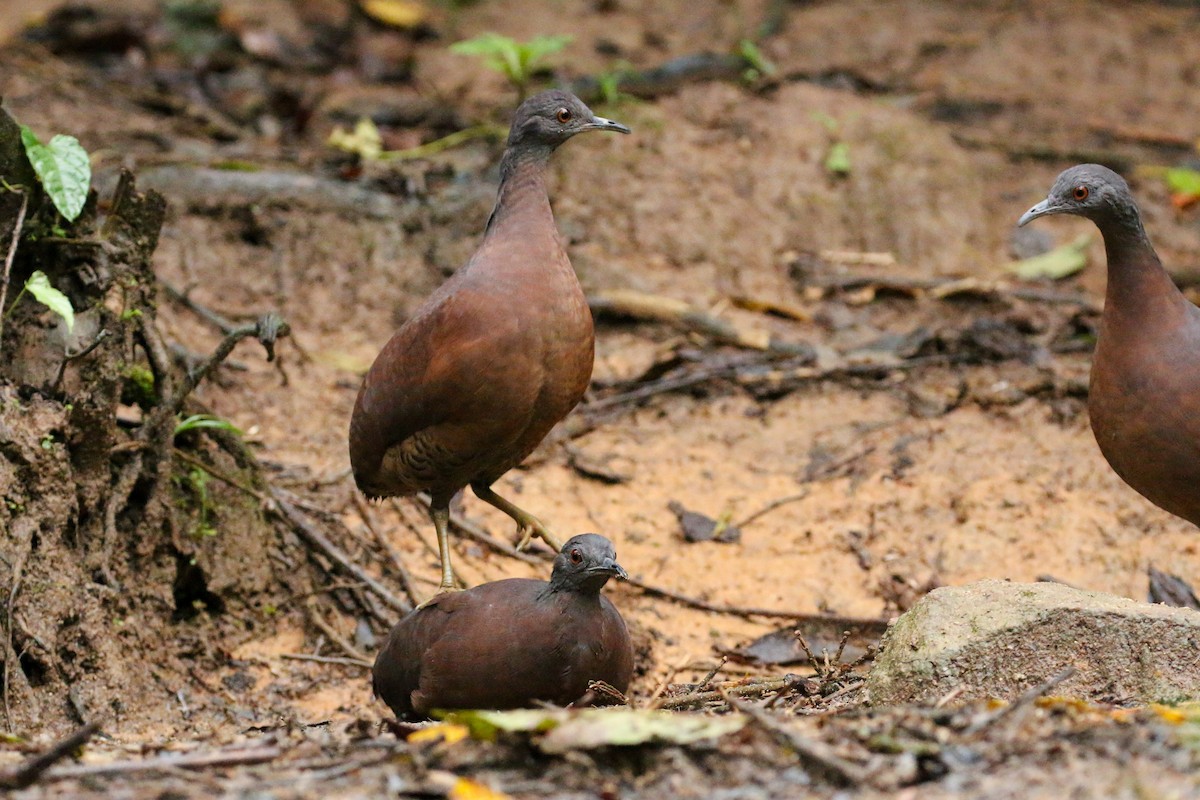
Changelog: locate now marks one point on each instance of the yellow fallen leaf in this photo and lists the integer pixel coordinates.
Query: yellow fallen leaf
(397, 13)
(364, 140)
(465, 789)
(447, 732)
(1172, 716)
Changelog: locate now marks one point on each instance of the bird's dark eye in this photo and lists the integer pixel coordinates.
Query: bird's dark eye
(576, 556)
(1080, 193)
(563, 115)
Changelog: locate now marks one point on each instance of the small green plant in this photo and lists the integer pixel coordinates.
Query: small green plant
(195, 482)
(47, 442)
(837, 158)
(609, 84)
(757, 64)
(198, 421)
(137, 386)
(1184, 184)
(39, 286)
(63, 168)
(517, 61)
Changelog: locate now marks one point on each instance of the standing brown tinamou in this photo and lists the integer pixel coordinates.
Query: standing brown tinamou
(502, 351)
(510, 643)
(1144, 400)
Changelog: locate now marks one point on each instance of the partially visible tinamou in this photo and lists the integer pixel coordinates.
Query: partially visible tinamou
(511, 643)
(502, 351)
(1144, 400)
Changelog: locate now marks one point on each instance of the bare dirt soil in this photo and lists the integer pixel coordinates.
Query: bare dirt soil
(930, 440)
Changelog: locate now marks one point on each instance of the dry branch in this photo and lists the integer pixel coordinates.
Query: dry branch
(744, 611)
(33, 768)
(817, 756)
(171, 761)
(348, 662)
(657, 308)
(267, 330)
(315, 538)
(8, 259)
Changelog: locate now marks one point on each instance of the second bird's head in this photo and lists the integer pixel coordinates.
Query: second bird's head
(550, 118)
(585, 564)
(1087, 190)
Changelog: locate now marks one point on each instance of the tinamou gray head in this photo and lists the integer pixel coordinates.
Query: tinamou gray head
(1087, 190)
(585, 564)
(550, 118)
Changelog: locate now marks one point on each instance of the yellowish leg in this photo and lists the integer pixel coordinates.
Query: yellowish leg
(527, 524)
(441, 522)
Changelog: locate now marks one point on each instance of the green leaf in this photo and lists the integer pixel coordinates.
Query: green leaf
(63, 168)
(537, 48)
(1181, 180)
(39, 286)
(837, 160)
(563, 730)
(749, 51)
(498, 52)
(197, 421)
(484, 725)
(516, 60)
(1061, 262)
(625, 727)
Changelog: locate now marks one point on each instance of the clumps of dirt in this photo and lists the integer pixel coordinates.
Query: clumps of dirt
(111, 514)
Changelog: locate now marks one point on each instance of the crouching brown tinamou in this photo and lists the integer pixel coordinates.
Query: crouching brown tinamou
(511, 643)
(1144, 400)
(502, 351)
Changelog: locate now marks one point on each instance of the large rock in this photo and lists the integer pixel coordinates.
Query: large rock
(997, 639)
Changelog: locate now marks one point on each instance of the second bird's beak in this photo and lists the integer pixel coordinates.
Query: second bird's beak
(1040, 210)
(611, 567)
(602, 124)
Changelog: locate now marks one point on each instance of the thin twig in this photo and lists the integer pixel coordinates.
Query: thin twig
(69, 357)
(117, 498)
(769, 507)
(406, 581)
(28, 773)
(448, 141)
(12, 254)
(219, 475)
(1025, 699)
(205, 313)
(688, 318)
(749, 689)
(740, 611)
(712, 673)
(18, 571)
(655, 697)
(227, 758)
(816, 756)
(349, 662)
(318, 619)
(315, 538)
(266, 329)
